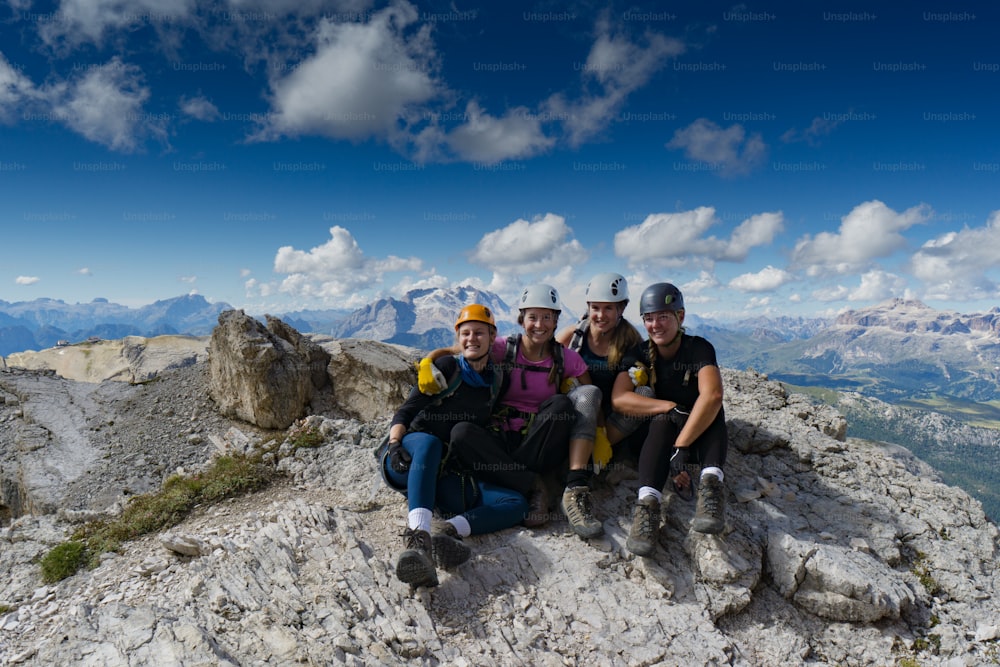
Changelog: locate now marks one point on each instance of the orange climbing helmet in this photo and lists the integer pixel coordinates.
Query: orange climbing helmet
(475, 313)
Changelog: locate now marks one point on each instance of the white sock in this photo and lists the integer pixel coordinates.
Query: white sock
(713, 471)
(461, 525)
(419, 519)
(646, 491)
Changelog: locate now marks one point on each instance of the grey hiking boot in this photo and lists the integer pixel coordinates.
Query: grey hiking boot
(710, 512)
(577, 508)
(415, 565)
(449, 550)
(642, 537)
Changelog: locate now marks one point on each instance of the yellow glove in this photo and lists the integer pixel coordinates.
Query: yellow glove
(639, 375)
(602, 449)
(569, 384)
(430, 380)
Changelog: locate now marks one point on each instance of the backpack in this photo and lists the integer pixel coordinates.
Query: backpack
(510, 363)
(576, 342)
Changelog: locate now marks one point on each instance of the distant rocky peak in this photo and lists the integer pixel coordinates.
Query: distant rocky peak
(913, 316)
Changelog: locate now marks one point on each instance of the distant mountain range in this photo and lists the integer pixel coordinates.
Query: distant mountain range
(897, 350)
(43, 323)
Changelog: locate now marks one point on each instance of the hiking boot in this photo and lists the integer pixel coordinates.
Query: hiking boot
(710, 512)
(642, 536)
(415, 565)
(538, 506)
(576, 506)
(449, 550)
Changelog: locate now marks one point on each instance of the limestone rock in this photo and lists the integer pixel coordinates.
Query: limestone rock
(263, 375)
(370, 378)
(836, 552)
(836, 583)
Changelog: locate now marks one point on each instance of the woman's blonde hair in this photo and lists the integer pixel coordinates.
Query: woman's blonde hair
(624, 337)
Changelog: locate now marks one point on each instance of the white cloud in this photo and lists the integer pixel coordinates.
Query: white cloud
(85, 271)
(878, 285)
(757, 303)
(199, 108)
(832, 293)
(188, 279)
(336, 269)
(105, 106)
(675, 239)
(529, 247)
(362, 81)
(619, 67)
(15, 90)
(765, 280)
(664, 236)
(703, 289)
(757, 230)
(485, 138)
(432, 281)
(957, 265)
(81, 21)
(730, 149)
(869, 231)
(26, 280)
(820, 127)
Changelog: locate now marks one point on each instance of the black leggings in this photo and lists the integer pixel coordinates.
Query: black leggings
(507, 458)
(654, 460)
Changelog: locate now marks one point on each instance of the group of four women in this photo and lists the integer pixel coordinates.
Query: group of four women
(492, 419)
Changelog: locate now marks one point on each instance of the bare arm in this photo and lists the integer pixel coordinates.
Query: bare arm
(626, 401)
(705, 409)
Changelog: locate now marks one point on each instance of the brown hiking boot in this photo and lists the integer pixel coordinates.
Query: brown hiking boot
(415, 565)
(710, 512)
(577, 508)
(449, 550)
(642, 537)
(538, 506)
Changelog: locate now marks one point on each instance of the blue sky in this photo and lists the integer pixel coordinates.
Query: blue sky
(769, 158)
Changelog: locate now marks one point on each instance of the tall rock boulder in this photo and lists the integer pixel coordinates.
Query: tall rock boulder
(266, 376)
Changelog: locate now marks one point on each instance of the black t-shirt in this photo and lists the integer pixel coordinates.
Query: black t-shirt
(677, 378)
(467, 404)
(602, 374)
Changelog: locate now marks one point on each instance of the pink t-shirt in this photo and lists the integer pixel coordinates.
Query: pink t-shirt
(538, 388)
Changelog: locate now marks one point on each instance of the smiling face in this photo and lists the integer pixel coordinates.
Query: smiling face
(539, 324)
(663, 326)
(475, 339)
(604, 315)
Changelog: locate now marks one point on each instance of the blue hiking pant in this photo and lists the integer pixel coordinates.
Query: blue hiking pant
(487, 507)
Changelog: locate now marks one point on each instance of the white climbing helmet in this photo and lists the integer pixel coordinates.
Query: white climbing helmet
(539, 295)
(607, 287)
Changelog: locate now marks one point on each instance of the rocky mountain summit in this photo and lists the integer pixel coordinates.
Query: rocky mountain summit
(421, 317)
(836, 552)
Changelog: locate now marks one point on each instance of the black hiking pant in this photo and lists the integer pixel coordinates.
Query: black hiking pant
(509, 458)
(709, 449)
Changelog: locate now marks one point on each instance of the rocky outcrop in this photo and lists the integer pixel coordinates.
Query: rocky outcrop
(132, 359)
(266, 376)
(370, 379)
(836, 552)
